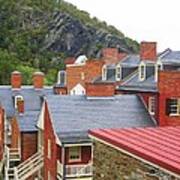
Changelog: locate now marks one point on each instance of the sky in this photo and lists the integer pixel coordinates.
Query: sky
(149, 20)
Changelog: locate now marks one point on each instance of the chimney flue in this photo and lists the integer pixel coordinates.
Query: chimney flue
(16, 80)
(148, 51)
(38, 80)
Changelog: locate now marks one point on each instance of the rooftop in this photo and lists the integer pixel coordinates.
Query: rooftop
(160, 146)
(73, 116)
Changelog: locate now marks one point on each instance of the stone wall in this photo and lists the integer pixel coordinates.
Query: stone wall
(111, 164)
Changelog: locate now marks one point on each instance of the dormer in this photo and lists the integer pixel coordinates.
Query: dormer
(142, 71)
(104, 73)
(19, 103)
(118, 72)
(61, 79)
(158, 67)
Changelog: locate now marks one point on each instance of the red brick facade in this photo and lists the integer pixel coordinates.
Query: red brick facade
(50, 161)
(1, 133)
(148, 51)
(28, 144)
(79, 74)
(169, 87)
(15, 134)
(100, 89)
(16, 80)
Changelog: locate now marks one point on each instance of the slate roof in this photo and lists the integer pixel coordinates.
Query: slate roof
(170, 57)
(159, 146)
(131, 61)
(73, 116)
(32, 104)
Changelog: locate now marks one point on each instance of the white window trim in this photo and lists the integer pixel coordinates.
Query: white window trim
(120, 72)
(16, 100)
(178, 108)
(140, 72)
(59, 79)
(104, 73)
(157, 69)
(151, 100)
(79, 152)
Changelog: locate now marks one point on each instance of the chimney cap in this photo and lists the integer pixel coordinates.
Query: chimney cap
(16, 72)
(38, 73)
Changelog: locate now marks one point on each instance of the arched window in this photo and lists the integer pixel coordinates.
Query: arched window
(118, 72)
(104, 73)
(142, 72)
(62, 77)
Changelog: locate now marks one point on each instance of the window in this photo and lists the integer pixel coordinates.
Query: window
(75, 153)
(18, 100)
(62, 77)
(173, 107)
(118, 73)
(82, 76)
(104, 73)
(49, 149)
(142, 72)
(158, 67)
(152, 105)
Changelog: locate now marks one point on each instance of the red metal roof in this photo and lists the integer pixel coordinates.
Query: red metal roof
(160, 146)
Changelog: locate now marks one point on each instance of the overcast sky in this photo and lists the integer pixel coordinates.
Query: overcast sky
(151, 20)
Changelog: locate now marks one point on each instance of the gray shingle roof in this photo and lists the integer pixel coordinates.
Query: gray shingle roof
(32, 104)
(73, 116)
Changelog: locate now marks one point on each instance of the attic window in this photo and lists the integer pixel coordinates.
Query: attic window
(18, 100)
(158, 67)
(61, 77)
(173, 107)
(118, 73)
(104, 73)
(142, 72)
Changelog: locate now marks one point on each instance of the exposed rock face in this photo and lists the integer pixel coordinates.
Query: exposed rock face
(69, 35)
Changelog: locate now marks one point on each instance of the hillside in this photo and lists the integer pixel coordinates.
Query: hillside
(38, 35)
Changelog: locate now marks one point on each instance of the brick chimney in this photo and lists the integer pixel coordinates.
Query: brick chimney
(16, 80)
(38, 80)
(148, 51)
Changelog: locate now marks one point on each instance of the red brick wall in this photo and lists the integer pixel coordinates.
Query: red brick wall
(1, 132)
(28, 144)
(85, 156)
(169, 87)
(148, 51)
(15, 133)
(60, 90)
(50, 165)
(100, 89)
(16, 79)
(112, 55)
(91, 69)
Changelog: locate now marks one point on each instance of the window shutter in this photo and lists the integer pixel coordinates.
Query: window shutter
(168, 102)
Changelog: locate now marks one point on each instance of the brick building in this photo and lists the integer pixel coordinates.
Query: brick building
(141, 153)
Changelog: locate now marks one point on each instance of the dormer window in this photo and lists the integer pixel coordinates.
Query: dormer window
(118, 73)
(19, 103)
(104, 73)
(62, 77)
(158, 67)
(142, 72)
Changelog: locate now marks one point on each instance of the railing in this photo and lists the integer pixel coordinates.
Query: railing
(79, 170)
(59, 168)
